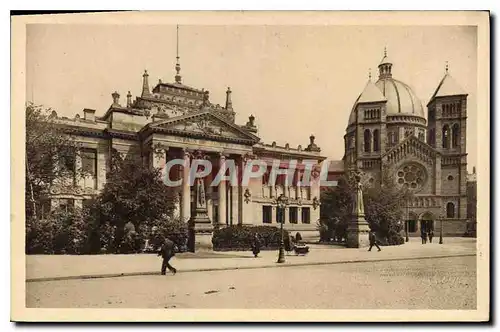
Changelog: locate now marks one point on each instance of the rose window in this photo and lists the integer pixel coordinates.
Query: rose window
(411, 176)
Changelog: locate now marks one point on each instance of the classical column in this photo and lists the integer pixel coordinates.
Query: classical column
(235, 191)
(222, 193)
(186, 189)
(286, 211)
(210, 201)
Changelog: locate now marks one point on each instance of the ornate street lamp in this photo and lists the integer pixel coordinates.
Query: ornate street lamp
(282, 203)
(441, 229)
(407, 222)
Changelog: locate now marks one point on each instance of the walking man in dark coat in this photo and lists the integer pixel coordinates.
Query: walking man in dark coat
(423, 234)
(373, 241)
(256, 245)
(431, 235)
(167, 251)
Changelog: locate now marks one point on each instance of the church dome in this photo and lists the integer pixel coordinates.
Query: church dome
(400, 98)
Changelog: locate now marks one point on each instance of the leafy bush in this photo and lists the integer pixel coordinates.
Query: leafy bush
(240, 237)
(393, 239)
(62, 232)
(173, 228)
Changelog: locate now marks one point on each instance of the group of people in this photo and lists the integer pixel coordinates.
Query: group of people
(426, 234)
(288, 243)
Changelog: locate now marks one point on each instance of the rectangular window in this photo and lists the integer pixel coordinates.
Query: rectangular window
(89, 161)
(66, 204)
(293, 215)
(86, 204)
(267, 213)
(44, 209)
(89, 167)
(67, 162)
(306, 215)
(279, 215)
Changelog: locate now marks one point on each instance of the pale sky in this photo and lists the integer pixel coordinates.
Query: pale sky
(296, 80)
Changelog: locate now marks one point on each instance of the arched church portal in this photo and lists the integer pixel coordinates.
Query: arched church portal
(412, 222)
(427, 221)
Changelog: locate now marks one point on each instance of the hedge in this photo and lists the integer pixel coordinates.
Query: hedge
(240, 237)
(75, 232)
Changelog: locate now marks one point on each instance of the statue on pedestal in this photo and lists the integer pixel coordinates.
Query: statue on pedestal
(358, 228)
(199, 223)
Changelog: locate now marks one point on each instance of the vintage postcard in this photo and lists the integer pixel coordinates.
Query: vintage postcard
(251, 166)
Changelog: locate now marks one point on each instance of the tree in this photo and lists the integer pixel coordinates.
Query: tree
(133, 193)
(383, 207)
(50, 155)
(336, 208)
(384, 204)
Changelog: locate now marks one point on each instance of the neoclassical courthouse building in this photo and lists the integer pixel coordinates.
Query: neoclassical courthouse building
(176, 121)
(388, 128)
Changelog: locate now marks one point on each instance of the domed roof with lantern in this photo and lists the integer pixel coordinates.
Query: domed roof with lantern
(399, 96)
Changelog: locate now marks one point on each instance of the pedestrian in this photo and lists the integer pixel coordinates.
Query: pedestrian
(256, 245)
(167, 251)
(298, 238)
(423, 234)
(373, 241)
(431, 235)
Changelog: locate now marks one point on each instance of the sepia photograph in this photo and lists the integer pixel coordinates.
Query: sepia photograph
(229, 166)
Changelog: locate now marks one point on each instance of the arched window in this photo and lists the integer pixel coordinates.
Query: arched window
(455, 136)
(368, 139)
(421, 136)
(446, 136)
(376, 140)
(450, 210)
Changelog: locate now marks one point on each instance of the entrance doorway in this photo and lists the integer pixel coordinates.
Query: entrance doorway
(412, 226)
(427, 222)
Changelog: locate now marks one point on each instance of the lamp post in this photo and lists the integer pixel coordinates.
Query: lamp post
(441, 229)
(407, 222)
(282, 202)
(406, 230)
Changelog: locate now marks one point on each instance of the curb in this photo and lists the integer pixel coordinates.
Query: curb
(146, 273)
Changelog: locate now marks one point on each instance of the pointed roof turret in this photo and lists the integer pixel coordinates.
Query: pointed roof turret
(145, 84)
(371, 94)
(448, 87)
(385, 66)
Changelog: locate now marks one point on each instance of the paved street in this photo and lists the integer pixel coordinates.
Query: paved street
(437, 283)
(43, 267)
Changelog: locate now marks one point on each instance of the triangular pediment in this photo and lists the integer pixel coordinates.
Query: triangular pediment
(204, 124)
(411, 146)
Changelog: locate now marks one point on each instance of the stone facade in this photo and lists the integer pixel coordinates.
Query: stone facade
(175, 121)
(426, 152)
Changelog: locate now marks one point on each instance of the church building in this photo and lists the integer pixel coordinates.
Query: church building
(424, 149)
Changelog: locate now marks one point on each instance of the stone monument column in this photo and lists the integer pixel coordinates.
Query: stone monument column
(186, 188)
(358, 228)
(200, 226)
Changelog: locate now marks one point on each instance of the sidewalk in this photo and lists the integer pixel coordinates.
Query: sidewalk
(59, 267)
